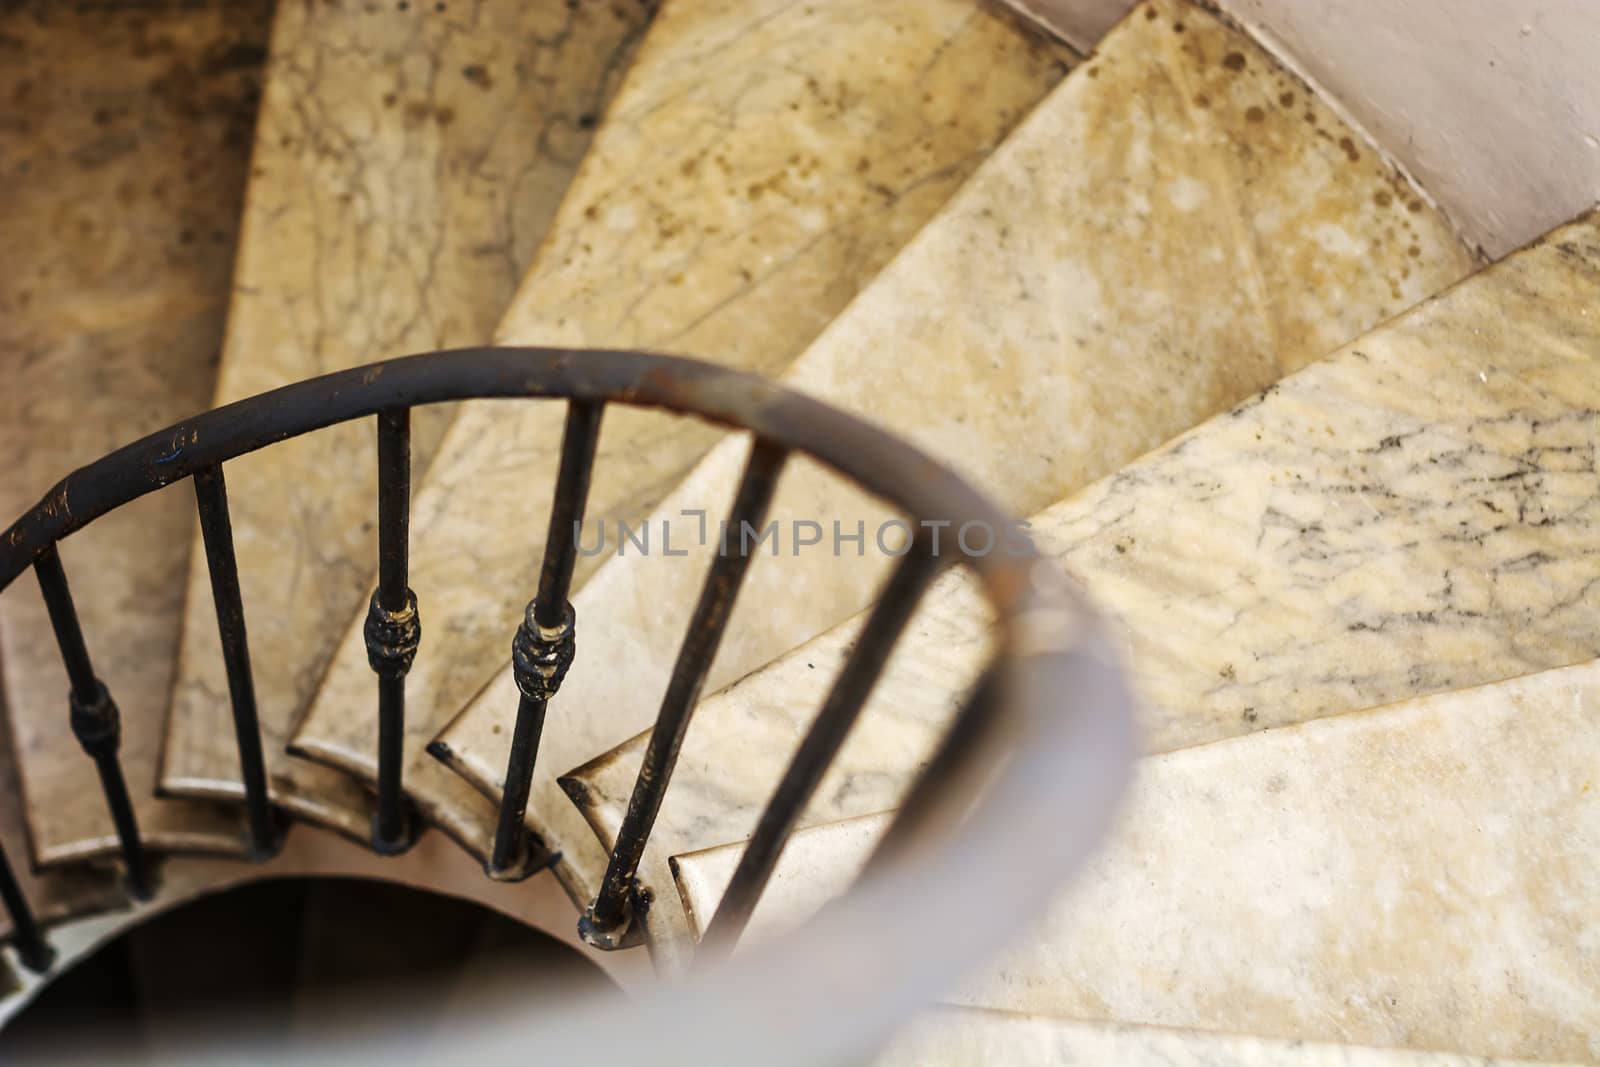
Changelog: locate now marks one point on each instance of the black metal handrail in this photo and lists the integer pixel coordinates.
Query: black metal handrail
(781, 421)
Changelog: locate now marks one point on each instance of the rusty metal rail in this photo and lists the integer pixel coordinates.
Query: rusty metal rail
(1040, 619)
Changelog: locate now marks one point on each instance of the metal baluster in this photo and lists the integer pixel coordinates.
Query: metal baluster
(216, 530)
(32, 949)
(610, 914)
(96, 722)
(393, 629)
(821, 743)
(542, 650)
(959, 747)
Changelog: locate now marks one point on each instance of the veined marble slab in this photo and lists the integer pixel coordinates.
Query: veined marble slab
(761, 162)
(1422, 875)
(1175, 227)
(407, 161)
(956, 1037)
(123, 154)
(1419, 512)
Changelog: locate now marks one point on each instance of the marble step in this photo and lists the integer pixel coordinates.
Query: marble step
(760, 163)
(1176, 226)
(407, 161)
(956, 1037)
(1419, 512)
(54, 893)
(122, 165)
(1422, 874)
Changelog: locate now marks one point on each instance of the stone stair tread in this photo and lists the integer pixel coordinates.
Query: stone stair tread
(57, 893)
(965, 1037)
(121, 171)
(407, 160)
(760, 163)
(1418, 512)
(1420, 874)
(1108, 278)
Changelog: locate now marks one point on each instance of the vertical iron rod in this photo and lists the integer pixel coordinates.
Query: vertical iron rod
(32, 949)
(610, 910)
(822, 742)
(64, 620)
(394, 507)
(95, 720)
(216, 530)
(579, 439)
(958, 746)
(393, 629)
(543, 647)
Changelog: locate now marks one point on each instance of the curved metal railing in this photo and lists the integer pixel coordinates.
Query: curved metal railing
(1017, 792)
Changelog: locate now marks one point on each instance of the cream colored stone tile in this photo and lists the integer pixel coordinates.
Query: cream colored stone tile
(975, 1038)
(761, 162)
(1166, 234)
(407, 161)
(1422, 875)
(1419, 512)
(123, 153)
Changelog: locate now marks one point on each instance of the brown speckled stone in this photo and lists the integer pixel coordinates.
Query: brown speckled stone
(406, 164)
(1111, 276)
(762, 161)
(1420, 511)
(123, 149)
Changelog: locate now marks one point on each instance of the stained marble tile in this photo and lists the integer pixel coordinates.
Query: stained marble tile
(1419, 512)
(1164, 235)
(761, 162)
(975, 1038)
(407, 161)
(123, 150)
(1422, 874)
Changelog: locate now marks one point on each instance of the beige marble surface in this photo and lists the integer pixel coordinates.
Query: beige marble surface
(1112, 275)
(761, 162)
(124, 142)
(1420, 875)
(976, 1038)
(408, 159)
(1419, 512)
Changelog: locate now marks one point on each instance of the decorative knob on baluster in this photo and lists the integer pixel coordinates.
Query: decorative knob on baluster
(541, 655)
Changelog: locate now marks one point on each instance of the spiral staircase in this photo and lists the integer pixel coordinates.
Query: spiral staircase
(1301, 394)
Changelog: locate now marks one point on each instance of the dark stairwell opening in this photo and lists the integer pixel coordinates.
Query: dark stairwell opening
(292, 963)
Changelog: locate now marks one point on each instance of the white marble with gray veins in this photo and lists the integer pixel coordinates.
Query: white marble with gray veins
(408, 158)
(760, 163)
(956, 1037)
(1419, 512)
(1420, 875)
(1111, 276)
